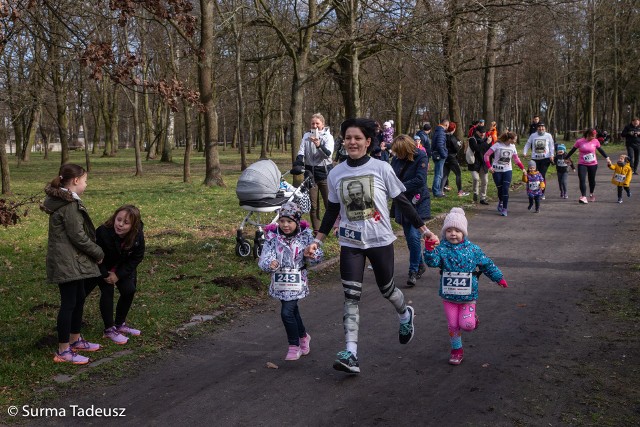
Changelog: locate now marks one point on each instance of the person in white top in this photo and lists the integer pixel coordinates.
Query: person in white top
(365, 231)
(315, 153)
(542, 150)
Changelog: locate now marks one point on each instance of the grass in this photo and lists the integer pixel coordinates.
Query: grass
(190, 232)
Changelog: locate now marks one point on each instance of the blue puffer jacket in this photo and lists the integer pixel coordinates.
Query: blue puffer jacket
(439, 144)
(463, 257)
(414, 178)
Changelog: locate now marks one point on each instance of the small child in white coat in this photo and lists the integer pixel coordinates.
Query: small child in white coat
(283, 256)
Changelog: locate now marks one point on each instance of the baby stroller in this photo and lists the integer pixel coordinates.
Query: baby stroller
(261, 191)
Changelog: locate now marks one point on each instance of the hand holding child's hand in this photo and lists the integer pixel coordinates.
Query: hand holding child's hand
(431, 243)
(274, 264)
(503, 283)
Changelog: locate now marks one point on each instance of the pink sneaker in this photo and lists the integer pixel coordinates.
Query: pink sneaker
(293, 353)
(84, 345)
(115, 336)
(125, 330)
(583, 200)
(592, 198)
(456, 356)
(304, 345)
(69, 356)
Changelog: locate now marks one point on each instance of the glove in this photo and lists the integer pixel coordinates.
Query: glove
(503, 283)
(429, 244)
(543, 185)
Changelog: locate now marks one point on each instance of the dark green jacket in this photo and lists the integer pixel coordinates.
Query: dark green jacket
(72, 252)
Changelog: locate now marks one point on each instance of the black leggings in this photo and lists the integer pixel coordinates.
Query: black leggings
(72, 298)
(352, 262)
(583, 172)
(127, 289)
(452, 165)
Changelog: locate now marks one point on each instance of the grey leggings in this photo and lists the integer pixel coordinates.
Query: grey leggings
(352, 262)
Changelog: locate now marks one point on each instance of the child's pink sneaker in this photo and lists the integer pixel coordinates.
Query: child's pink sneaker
(304, 345)
(456, 356)
(84, 345)
(293, 353)
(69, 356)
(126, 330)
(115, 336)
(592, 198)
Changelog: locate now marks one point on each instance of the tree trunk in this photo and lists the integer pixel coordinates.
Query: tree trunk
(213, 173)
(168, 136)
(4, 168)
(488, 93)
(186, 175)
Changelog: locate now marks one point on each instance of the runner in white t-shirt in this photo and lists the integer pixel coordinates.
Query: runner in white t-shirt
(359, 189)
(505, 151)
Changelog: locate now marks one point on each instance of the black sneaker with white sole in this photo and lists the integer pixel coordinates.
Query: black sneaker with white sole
(406, 328)
(346, 362)
(412, 279)
(421, 270)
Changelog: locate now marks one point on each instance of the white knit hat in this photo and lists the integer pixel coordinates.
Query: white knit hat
(455, 218)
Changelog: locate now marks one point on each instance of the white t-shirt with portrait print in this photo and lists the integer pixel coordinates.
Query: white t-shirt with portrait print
(502, 156)
(363, 192)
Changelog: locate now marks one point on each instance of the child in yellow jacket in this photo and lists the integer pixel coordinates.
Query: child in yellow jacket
(622, 173)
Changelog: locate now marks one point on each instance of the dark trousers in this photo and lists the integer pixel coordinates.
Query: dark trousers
(542, 165)
(452, 165)
(562, 181)
(320, 188)
(534, 199)
(627, 189)
(290, 314)
(503, 182)
(633, 151)
(127, 289)
(72, 298)
(585, 172)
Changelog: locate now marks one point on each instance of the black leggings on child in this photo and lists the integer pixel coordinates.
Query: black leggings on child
(127, 289)
(72, 298)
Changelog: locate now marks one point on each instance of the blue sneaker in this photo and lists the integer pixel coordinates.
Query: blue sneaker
(406, 329)
(503, 212)
(346, 362)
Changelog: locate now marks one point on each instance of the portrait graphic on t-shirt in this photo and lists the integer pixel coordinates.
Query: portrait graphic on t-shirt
(502, 159)
(357, 197)
(540, 146)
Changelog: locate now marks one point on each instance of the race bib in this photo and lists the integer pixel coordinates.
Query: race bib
(537, 155)
(287, 279)
(350, 233)
(534, 185)
(619, 177)
(590, 157)
(455, 283)
(561, 163)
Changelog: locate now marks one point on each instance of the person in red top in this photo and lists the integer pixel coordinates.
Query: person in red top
(588, 163)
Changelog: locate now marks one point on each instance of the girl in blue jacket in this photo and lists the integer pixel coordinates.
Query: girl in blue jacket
(460, 263)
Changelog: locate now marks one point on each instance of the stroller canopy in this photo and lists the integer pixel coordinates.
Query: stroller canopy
(261, 180)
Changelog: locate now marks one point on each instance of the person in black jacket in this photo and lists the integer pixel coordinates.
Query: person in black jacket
(122, 240)
(451, 164)
(631, 133)
(479, 145)
(533, 127)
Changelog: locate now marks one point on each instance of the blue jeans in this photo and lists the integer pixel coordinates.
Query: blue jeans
(503, 182)
(413, 237)
(436, 187)
(292, 321)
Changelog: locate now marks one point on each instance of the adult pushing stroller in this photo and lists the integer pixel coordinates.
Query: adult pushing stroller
(262, 190)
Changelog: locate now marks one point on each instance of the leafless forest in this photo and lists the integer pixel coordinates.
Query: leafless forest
(159, 74)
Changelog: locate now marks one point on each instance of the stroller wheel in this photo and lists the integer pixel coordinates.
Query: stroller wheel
(243, 248)
(257, 251)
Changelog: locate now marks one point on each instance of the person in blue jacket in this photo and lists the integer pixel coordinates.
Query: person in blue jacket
(439, 154)
(410, 166)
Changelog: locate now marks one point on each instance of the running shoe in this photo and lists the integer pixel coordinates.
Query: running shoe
(456, 356)
(619, 199)
(543, 198)
(115, 336)
(592, 198)
(421, 270)
(304, 345)
(484, 202)
(500, 206)
(294, 353)
(346, 362)
(503, 212)
(406, 328)
(126, 330)
(446, 188)
(412, 279)
(462, 194)
(69, 356)
(583, 200)
(537, 210)
(84, 345)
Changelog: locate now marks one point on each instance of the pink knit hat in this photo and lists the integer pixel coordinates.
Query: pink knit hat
(457, 219)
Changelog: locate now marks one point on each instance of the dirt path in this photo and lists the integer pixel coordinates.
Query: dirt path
(558, 347)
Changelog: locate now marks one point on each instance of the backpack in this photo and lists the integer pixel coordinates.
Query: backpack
(469, 155)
